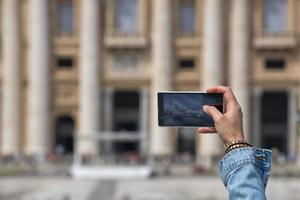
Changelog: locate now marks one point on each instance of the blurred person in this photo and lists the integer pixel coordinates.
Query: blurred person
(244, 169)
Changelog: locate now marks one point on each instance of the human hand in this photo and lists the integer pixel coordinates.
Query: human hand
(229, 125)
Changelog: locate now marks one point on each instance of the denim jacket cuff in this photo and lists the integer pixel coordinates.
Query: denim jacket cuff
(236, 158)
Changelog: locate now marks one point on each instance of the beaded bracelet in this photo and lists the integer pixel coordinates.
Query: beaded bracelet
(236, 144)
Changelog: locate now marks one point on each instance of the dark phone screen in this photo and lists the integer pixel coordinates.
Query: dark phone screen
(185, 109)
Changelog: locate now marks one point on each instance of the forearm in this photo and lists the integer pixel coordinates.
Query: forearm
(245, 172)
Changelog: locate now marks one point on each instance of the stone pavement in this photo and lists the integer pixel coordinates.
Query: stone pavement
(163, 188)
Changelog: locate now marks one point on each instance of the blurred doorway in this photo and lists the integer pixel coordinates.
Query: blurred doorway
(126, 118)
(186, 144)
(274, 120)
(64, 135)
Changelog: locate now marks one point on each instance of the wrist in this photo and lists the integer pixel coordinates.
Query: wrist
(229, 140)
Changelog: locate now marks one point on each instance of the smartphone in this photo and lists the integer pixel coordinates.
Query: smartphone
(184, 109)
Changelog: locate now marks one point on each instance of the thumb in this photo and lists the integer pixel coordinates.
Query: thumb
(212, 111)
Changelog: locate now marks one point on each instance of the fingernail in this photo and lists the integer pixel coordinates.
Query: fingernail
(205, 107)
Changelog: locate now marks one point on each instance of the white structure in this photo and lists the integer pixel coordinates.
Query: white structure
(162, 140)
(212, 74)
(38, 97)
(11, 115)
(89, 88)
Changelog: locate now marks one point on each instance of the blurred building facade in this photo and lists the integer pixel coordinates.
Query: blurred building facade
(92, 68)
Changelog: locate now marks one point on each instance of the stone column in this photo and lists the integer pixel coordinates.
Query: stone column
(109, 117)
(38, 79)
(89, 77)
(143, 121)
(162, 139)
(298, 119)
(209, 145)
(292, 122)
(239, 57)
(257, 100)
(11, 108)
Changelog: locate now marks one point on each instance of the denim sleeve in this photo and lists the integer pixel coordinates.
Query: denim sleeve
(245, 172)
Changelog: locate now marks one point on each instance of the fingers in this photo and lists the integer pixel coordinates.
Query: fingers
(206, 130)
(217, 89)
(213, 112)
(227, 92)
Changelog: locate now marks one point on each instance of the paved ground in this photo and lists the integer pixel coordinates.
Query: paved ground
(180, 188)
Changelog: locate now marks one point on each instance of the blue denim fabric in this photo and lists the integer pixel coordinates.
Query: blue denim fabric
(245, 172)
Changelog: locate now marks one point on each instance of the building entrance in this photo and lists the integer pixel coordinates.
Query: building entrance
(186, 144)
(64, 135)
(126, 118)
(274, 120)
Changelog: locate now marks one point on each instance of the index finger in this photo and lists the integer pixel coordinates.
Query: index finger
(227, 92)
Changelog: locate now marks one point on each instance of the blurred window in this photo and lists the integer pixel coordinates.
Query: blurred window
(275, 64)
(187, 63)
(65, 17)
(126, 17)
(125, 61)
(187, 16)
(64, 62)
(275, 15)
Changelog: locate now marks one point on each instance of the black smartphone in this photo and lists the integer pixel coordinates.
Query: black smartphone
(185, 108)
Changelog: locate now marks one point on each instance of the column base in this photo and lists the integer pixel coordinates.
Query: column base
(93, 159)
(35, 159)
(11, 158)
(298, 161)
(205, 162)
(161, 165)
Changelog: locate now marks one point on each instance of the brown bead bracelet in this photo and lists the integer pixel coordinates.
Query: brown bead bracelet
(236, 144)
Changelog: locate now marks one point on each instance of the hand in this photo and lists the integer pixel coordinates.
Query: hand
(229, 125)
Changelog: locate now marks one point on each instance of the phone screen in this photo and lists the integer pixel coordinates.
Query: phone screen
(185, 108)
